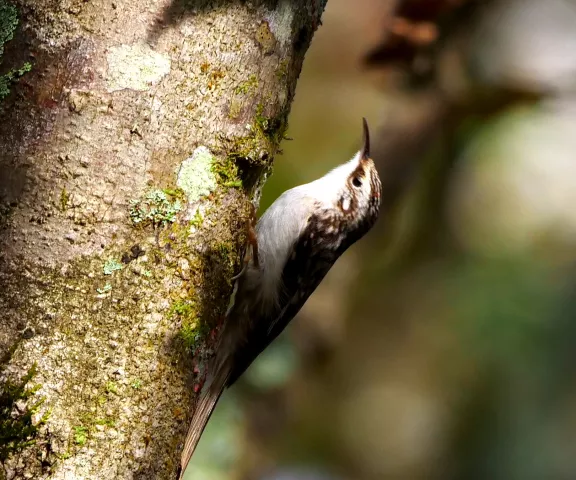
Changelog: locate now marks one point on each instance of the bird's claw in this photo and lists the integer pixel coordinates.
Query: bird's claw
(252, 242)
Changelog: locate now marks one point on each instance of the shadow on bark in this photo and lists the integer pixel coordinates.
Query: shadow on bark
(178, 10)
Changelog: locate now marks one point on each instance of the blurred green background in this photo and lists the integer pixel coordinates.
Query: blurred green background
(442, 345)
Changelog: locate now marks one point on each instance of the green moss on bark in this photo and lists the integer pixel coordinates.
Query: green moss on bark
(261, 142)
(8, 24)
(18, 405)
(156, 208)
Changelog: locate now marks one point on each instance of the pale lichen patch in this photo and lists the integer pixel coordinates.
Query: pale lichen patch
(136, 67)
(280, 22)
(195, 176)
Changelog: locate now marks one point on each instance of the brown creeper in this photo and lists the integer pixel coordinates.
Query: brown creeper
(298, 240)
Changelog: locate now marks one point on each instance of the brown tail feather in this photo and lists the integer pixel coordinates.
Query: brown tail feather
(202, 413)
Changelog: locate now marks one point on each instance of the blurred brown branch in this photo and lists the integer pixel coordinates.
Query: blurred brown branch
(415, 31)
(426, 42)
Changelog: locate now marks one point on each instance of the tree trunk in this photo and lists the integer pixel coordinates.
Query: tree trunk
(133, 144)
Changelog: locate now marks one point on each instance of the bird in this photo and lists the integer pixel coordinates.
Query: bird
(294, 245)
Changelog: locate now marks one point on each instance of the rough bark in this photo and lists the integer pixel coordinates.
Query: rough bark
(130, 156)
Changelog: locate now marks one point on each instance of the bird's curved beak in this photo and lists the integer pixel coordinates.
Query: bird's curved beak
(365, 150)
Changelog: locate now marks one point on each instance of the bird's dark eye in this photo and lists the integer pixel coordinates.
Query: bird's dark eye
(356, 182)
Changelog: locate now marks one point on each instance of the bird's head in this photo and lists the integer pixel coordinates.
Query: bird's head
(354, 188)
